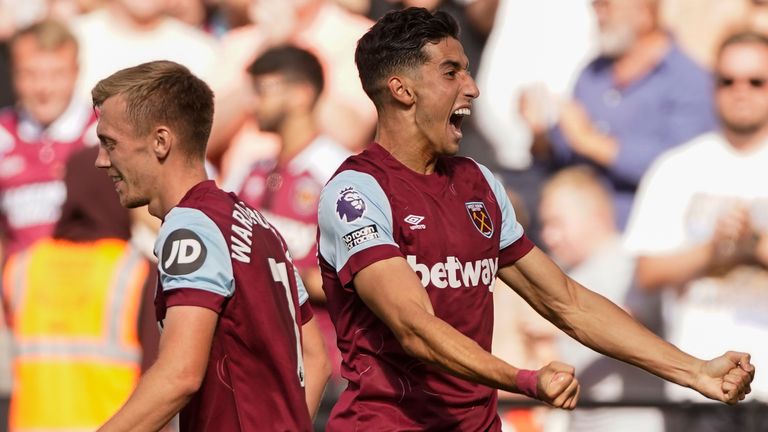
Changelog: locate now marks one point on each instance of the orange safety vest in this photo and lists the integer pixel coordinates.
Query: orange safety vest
(74, 310)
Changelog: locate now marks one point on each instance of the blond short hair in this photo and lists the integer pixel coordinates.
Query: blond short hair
(163, 92)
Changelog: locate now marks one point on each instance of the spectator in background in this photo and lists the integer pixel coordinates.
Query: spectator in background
(37, 136)
(579, 231)
(191, 12)
(700, 227)
(126, 32)
(287, 83)
(700, 25)
(66, 10)
(641, 96)
(524, 56)
(319, 26)
(75, 301)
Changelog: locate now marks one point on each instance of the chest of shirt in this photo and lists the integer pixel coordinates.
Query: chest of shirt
(449, 237)
(36, 162)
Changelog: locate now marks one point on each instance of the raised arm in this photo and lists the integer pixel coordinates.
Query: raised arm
(601, 325)
(394, 293)
(171, 382)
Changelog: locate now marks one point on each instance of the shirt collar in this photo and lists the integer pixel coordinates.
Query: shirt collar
(69, 126)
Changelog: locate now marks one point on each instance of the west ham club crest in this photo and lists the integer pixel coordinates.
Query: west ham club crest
(480, 218)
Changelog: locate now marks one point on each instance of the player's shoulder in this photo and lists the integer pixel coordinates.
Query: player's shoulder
(187, 219)
(208, 198)
(467, 169)
(350, 180)
(463, 163)
(362, 162)
(349, 195)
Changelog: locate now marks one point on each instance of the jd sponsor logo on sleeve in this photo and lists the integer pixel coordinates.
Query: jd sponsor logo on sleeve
(360, 236)
(480, 218)
(350, 206)
(183, 252)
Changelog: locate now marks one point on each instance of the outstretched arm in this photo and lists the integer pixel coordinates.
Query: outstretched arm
(171, 382)
(394, 293)
(601, 325)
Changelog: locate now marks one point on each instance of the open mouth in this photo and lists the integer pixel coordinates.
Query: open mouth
(457, 118)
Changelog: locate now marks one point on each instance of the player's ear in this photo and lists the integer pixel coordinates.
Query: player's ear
(400, 90)
(163, 139)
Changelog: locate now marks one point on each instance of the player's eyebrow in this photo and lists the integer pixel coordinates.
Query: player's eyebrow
(454, 64)
(451, 63)
(105, 139)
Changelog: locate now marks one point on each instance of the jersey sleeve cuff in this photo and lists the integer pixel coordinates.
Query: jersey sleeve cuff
(306, 312)
(365, 258)
(518, 249)
(195, 297)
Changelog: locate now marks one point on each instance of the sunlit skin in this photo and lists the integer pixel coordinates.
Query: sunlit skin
(743, 108)
(419, 129)
(128, 159)
(43, 80)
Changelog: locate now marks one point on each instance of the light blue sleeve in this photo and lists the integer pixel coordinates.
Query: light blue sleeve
(353, 215)
(303, 294)
(511, 230)
(192, 253)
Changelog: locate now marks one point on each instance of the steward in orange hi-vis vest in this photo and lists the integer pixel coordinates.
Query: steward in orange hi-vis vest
(73, 305)
(74, 308)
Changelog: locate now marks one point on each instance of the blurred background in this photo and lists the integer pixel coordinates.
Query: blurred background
(631, 135)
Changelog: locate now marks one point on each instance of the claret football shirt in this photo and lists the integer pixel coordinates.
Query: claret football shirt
(455, 227)
(216, 252)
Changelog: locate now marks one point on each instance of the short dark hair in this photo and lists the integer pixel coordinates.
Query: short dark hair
(396, 42)
(163, 92)
(742, 37)
(292, 62)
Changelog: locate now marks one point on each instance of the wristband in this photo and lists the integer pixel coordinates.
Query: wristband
(526, 382)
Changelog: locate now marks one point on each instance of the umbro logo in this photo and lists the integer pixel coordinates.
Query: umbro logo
(415, 222)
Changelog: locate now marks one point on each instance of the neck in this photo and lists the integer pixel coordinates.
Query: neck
(175, 185)
(124, 19)
(745, 142)
(296, 133)
(644, 55)
(400, 137)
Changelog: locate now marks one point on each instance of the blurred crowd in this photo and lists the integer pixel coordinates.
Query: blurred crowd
(632, 137)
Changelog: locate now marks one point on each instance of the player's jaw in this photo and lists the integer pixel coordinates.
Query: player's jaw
(126, 191)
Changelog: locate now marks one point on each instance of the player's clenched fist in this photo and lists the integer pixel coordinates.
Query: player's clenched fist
(554, 384)
(726, 378)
